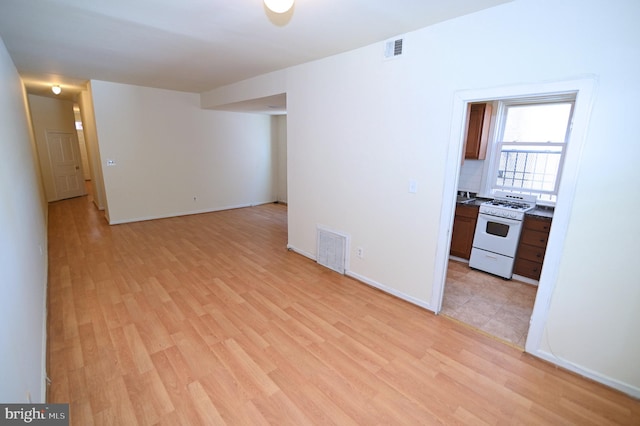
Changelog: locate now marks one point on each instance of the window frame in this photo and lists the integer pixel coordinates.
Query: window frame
(497, 144)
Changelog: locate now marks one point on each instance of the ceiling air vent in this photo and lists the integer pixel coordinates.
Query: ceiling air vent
(393, 48)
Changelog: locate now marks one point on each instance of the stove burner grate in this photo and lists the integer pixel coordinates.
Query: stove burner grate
(509, 204)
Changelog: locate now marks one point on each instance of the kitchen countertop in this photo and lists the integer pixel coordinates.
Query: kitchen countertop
(476, 202)
(541, 211)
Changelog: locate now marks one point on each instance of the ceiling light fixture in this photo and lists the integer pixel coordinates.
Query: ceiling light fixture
(279, 6)
(56, 89)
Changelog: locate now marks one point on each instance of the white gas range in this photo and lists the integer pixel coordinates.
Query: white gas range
(498, 232)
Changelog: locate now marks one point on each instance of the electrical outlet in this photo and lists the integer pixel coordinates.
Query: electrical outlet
(360, 252)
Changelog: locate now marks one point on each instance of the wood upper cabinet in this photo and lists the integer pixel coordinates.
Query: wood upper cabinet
(532, 247)
(464, 226)
(478, 123)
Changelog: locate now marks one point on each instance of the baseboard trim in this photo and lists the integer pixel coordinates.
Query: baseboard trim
(625, 388)
(301, 252)
(370, 282)
(389, 290)
(45, 316)
(186, 213)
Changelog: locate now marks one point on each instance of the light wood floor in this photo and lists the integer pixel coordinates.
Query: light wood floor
(208, 319)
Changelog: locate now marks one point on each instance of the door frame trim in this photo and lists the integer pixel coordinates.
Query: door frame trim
(585, 89)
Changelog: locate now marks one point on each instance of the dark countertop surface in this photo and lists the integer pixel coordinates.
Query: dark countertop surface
(541, 211)
(475, 202)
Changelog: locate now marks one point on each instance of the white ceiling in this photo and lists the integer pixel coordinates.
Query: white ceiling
(196, 45)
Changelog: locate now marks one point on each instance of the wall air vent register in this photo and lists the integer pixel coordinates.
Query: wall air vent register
(393, 48)
(332, 250)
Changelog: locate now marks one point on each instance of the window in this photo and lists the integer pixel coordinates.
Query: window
(532, 135)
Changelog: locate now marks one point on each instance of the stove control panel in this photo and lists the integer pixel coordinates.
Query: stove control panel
(506, 212)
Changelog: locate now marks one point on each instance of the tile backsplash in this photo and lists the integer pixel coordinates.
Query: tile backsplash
(471, 176)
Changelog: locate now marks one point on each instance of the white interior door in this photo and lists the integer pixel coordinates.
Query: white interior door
(66, 164)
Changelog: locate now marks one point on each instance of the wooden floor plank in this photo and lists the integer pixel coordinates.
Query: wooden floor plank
(205, 408)
(209, 319)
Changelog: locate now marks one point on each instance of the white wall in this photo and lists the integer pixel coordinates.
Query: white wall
(23, 249)
(386, 122)
(85, 102)
(86, 169)
(270, 84)
(168, 150)
(356, 137)
(471, 176)
(279, 129)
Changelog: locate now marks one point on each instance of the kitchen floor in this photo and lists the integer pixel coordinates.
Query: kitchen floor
(501, 308)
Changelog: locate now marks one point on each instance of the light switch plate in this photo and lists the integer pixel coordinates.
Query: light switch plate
(413, 186)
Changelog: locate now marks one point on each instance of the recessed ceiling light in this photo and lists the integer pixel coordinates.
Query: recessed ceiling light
(56, 89)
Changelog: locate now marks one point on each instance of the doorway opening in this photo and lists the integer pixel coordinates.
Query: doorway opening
(504, 231)
(451, 269)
